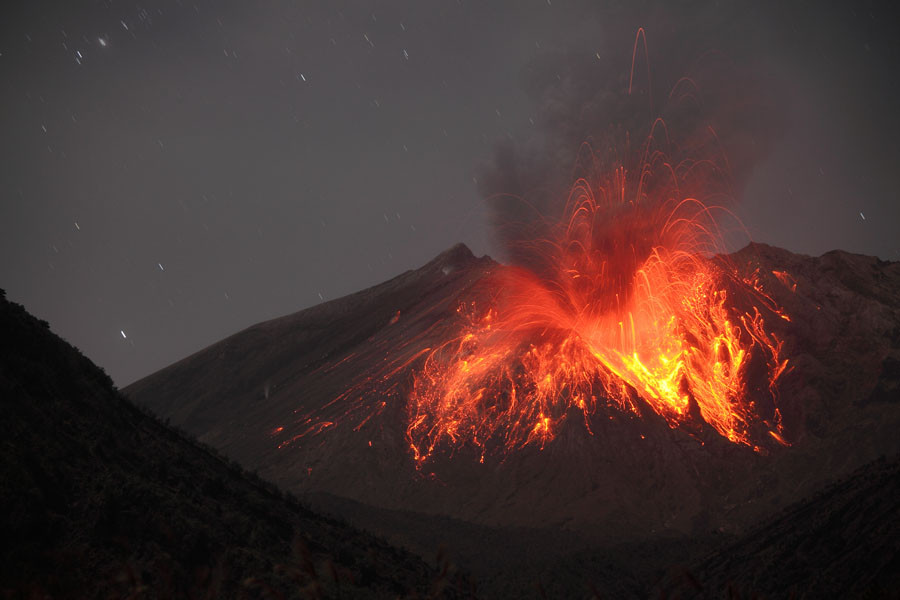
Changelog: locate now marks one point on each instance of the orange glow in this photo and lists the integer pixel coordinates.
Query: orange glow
(629, 305)
(786, 278)
(637, 310)
(635, 307)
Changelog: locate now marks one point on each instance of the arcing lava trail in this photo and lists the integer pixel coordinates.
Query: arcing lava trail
(612, 323)
(628, 303)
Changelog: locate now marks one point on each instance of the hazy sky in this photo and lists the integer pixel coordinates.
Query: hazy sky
(176, 171)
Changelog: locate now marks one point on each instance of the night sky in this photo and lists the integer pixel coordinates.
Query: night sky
(173, 172)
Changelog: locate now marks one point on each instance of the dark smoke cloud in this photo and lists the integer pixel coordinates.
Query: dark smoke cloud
(715, 100)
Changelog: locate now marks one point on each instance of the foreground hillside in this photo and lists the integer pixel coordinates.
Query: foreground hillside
(842, 543)
(99, 500)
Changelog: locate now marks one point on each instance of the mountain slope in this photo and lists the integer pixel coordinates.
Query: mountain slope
(634, 478)
(842, 543)
(100, 500)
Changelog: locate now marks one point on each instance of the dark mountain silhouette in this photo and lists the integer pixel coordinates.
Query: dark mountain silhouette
(842, 543)
(100, 500)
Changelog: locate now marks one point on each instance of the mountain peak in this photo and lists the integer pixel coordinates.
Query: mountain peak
(454, 257)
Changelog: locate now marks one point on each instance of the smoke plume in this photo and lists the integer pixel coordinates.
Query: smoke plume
(595, 111)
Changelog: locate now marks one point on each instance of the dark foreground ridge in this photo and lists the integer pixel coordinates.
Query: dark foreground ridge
(100, 500)
(842, 543)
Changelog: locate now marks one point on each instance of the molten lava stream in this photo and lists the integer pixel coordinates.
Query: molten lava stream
(625, 299)
(633, 303)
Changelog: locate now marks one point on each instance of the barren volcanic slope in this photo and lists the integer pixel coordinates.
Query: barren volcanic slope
(629, 478)
(99, 500)
(843, 543)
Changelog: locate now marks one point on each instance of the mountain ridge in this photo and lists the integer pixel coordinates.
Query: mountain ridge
(99, 499)
(841, 340)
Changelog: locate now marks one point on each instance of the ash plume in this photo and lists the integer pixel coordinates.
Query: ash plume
(598, 107)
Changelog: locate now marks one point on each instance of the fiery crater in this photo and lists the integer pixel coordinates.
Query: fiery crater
(633, 304)
(627, 302)
(630, 305)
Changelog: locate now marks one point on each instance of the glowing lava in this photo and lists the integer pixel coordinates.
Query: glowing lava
(629, 303)
(636, 306)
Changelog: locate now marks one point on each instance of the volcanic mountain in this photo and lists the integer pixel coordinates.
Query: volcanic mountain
(100, 500)
(316, 402)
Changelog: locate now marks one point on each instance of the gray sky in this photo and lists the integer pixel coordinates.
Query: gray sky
(180, 170)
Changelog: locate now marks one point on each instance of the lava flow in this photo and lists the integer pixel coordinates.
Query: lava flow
(636, 310)
(627, 302)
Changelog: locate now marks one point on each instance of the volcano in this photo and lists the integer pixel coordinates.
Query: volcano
(319, 402)
(623, 380)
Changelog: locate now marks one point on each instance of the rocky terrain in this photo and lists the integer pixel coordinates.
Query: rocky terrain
(100, 500)
(844, 542)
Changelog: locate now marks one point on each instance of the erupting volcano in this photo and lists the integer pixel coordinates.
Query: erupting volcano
(635, 307)
(624, 299)
(450, 300)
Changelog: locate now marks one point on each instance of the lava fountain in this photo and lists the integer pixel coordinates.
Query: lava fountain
(630, 304)
(636, 311)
